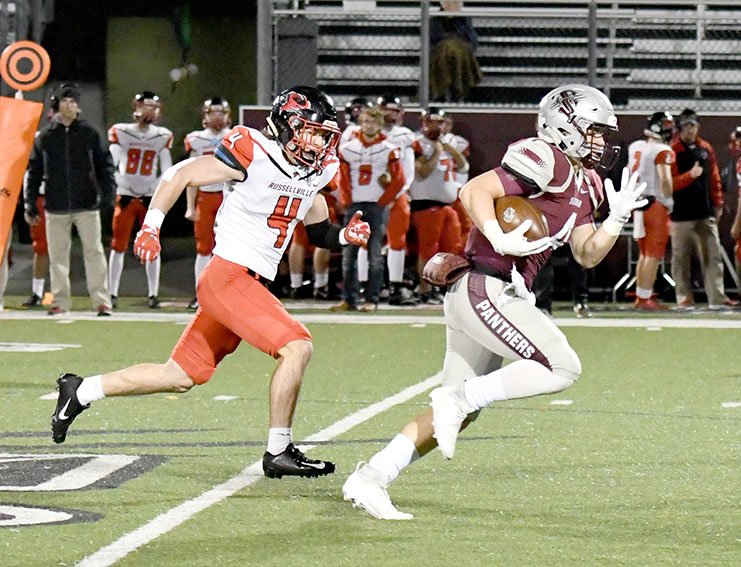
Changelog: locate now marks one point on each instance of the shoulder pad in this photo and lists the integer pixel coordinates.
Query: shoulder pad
(236, 148)
(539, 164)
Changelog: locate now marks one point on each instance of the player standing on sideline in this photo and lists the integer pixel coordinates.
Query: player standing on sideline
(460, 176)
(400, 213)
(652, 158)
(433, 192)
(140, 149)
(490, 312)
(203, 202)
(733, 179)
(277, 174)
(370, 176)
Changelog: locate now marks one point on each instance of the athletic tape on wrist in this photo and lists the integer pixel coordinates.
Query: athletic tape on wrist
(154, 217)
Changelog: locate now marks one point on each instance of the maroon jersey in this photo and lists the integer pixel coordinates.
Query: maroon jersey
(538, 170)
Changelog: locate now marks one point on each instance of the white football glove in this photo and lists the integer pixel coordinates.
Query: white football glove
(624, 202)
(514, 243)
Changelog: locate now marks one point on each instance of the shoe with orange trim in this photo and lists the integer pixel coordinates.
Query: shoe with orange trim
(649, 305)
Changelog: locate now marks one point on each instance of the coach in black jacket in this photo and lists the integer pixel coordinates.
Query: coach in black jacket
(69, 157)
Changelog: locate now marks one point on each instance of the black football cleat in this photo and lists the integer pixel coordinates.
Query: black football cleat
(33, 301)
(68, 407)
(293, 462)
(154, 302)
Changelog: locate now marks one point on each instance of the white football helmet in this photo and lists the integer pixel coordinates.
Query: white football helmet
(572, 116)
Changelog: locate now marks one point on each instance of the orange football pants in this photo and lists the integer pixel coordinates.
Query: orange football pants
(207, 205)
(438, 230)
(656, 223)
(464, 219)
(128, 209)
(234, 307)
(398, 225)
(38, 231)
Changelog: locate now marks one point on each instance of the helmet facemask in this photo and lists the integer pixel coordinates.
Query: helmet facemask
(216, 114)
(147, 108)
(299, 141)
(600, 154)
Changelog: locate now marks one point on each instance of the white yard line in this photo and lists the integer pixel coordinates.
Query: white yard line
(171, 519)
(407, 318)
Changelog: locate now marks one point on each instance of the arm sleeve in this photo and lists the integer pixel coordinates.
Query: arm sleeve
(324, 235)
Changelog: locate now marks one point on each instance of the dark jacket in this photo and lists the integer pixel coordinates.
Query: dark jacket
(77, 169)
(695, 199)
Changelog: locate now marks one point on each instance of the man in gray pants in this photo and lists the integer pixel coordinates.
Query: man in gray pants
(69, 156)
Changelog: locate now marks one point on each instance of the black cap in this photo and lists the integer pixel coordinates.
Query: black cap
(688, 116)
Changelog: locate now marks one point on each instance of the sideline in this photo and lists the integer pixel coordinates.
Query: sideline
(686, 322)
(171, 519)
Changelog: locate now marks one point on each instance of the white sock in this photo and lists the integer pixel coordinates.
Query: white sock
(321, 279)
(643, 293)
(153, 276)
(395, 457)
(395, 263)
(201, 261)
(278, 439)
(519, 379)
(297, 280)
(115, 269)
(37, 286)
(90, 390)
(362, 265)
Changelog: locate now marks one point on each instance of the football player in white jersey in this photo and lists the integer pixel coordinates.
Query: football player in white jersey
(490, 313)
(400, 213)
(433, 192)
(370, 176)
(463, 147)
(651, 157)
(141, 152)
(277, 175)
(203, 202)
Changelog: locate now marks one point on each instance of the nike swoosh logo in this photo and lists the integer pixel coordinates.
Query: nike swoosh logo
(318, 466)
(62, 415)
(583, 191)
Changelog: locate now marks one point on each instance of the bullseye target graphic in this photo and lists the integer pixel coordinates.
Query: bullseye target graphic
(24, 65)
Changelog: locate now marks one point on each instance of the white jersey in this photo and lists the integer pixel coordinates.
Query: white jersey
(139, 156)
(348, 132)
(402, 137)
(366, 162)
(255, 224)
(463, 147)
(203, 143)
(440, 185)
(643, 157)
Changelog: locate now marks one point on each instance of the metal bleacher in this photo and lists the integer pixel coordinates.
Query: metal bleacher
(639, 51)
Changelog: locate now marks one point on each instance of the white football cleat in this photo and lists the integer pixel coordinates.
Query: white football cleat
(449, 409)
(366, 488)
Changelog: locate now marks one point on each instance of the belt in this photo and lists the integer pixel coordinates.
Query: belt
(487, 271)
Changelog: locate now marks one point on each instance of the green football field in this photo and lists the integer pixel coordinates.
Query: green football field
(636, 464)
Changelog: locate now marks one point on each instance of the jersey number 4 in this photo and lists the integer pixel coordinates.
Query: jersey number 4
(286, 209)
(140, 162)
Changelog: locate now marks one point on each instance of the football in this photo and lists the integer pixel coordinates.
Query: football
(512, 211)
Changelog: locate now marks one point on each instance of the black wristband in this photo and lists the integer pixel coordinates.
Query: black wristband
(324, 235)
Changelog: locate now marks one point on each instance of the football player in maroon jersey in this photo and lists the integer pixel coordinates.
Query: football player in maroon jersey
(490, 312)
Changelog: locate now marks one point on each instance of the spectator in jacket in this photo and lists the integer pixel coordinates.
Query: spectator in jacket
(698, 206)
(69, 157)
